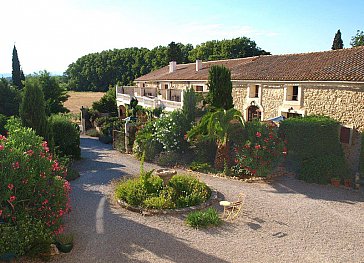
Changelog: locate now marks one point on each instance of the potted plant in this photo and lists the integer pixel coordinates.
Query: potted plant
(335, 181)
(347, 182)
(64, 242)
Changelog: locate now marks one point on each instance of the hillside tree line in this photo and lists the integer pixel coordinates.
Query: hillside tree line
(97, 71)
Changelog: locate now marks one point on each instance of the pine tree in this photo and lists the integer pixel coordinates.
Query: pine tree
(17, 74)
(338, 42)
(174, 53)
(32, 108)
(220, 88)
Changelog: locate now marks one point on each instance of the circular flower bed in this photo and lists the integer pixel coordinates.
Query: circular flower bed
(148, 191)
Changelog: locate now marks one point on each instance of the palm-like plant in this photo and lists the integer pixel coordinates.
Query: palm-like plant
(215, 126)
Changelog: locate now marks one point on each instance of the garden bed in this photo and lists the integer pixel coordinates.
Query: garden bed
(214, 198)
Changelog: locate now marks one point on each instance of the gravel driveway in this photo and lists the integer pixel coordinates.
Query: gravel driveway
(285, 221)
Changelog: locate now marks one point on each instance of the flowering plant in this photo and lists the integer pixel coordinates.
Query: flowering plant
(170, 131)
(31, 179)
(261, 152)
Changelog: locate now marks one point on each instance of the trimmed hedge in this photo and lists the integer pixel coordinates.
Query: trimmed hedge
(313, 141)
(65, 136)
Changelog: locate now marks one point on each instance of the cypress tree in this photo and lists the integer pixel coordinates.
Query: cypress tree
(32, 108)
(338, 42)
(189, 105)
(17, 73)
(220, 88)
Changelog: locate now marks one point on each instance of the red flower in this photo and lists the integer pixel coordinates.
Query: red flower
(12, 198)
(257, 147)
(258, 134)
(1, 147)
(30, 152)
(10, 186)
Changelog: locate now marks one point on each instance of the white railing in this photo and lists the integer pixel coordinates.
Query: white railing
(126, 93)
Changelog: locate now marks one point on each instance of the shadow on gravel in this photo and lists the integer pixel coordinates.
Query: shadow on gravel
(290, 185)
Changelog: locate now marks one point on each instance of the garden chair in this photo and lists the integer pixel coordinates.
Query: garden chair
(232, 209)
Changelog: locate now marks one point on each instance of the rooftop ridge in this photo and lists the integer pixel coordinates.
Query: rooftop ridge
(316, 52)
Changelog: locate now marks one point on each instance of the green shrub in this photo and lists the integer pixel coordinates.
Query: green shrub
(22, 238)
(201, 167)
(107, 104)
(3, 120)
(204, 150)
(188, 191)
(65, 136)
(313, 142)
(145, 142)
(170, 159)
(320, 169)
(148, 191)
(203, 219)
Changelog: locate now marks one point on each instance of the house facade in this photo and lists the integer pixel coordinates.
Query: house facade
(330, 83)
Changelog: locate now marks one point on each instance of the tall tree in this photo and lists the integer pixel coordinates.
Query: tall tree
(9, 99)
(17, 74)
(220, 88)
(189, 104)
(32, 108)
(174, 53)
(338, 42)
(54, 94)
(358, 39)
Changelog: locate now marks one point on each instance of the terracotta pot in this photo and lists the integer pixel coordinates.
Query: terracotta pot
(347, 183)
(335, 182)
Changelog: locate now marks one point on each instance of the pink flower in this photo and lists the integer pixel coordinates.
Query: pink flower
(15, 165)
(1, 147)
(257, 147)
(258, 134)
(1, 212)
(10, 186)
(2, 138)
(12, 198)
(30, 152)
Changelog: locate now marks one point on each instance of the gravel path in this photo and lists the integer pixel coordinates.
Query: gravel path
(285, 221)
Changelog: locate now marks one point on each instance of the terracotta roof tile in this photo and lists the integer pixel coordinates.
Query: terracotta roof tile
(334, 65)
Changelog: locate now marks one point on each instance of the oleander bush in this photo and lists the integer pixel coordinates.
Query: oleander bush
(148, 191)
(261, 152)
(203, 219)
(32, 183)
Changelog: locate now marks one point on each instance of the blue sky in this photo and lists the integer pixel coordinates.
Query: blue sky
(49, 35)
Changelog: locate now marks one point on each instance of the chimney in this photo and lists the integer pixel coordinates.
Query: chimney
(172, 66)
(198, 65)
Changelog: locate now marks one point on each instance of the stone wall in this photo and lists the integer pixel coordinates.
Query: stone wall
(343, 103)
(239, 94)
(272, 99)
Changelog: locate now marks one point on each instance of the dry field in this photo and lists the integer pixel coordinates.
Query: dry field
(79, 99)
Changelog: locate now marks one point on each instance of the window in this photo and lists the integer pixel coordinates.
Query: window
(345, 135)
(165, 86)
(292, 93)
(199, 88)
(254, 91)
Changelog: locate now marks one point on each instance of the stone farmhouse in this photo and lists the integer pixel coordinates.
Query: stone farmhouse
(330, 83)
